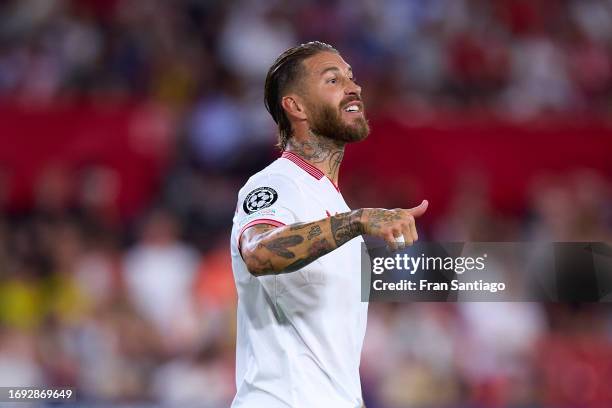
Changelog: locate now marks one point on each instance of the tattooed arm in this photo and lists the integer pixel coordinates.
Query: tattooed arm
(268, 250)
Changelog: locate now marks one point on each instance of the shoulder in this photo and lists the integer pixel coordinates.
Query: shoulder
(269, 195)
(276, 176)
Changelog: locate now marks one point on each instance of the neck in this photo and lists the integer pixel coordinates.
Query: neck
(322, 152)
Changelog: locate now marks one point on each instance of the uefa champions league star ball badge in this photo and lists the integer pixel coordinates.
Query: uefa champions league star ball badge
(259, 198)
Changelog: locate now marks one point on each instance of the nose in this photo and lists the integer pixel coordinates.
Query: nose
(352, 88)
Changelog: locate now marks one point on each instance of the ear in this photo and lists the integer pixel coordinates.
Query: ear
(294, 107)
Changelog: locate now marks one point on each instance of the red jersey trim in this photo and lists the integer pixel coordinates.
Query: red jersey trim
(256, 222)
(307, 167)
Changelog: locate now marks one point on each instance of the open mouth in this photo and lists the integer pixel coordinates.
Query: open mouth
(354, 107)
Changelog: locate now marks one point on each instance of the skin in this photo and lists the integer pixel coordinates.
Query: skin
(328, 81)
(267, 249)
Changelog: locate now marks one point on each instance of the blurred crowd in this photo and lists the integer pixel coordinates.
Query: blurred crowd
(518, 57)
(142, 313)
(143, 309)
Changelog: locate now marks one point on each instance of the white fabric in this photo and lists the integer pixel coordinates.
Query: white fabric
(300, 334)
(159, 281)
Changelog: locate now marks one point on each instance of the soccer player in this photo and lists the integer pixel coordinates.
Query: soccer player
(296, 245)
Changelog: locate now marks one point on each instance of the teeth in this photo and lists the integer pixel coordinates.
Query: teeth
(352, 108)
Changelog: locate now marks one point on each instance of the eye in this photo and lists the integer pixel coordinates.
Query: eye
(332, 80)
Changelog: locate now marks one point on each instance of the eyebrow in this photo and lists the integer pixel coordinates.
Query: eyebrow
(336, 69)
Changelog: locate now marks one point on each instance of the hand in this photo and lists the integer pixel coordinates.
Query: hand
(392, 224)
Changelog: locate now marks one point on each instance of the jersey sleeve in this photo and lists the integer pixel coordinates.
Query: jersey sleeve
(272, 199)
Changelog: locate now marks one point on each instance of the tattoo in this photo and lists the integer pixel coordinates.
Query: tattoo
(279, 246)
(258, 266)
(261, 266)
(317, 149)
(263, 227)
(319, 248)
(379, 216)
(288, 245)
(315, 231)
(345, 227)
(297, 227)
(316, 250)
(258, 229)
(320, 150)
(334, 163)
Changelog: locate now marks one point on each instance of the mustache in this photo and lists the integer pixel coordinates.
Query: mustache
(350, 99)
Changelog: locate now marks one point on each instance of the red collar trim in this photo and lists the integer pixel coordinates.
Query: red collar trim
(307, 167)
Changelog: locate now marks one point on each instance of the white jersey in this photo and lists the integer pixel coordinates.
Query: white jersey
(299, 334)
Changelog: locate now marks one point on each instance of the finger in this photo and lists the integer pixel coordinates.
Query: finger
(419, 210)
(391, 243)
(401, 238)
(413, 231)
(407, 234)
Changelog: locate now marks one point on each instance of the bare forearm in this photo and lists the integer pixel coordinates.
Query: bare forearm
(268, 250)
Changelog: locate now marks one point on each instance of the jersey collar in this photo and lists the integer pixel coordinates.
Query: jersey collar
(307, 167)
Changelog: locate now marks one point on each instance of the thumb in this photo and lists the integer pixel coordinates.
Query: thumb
(419, 210)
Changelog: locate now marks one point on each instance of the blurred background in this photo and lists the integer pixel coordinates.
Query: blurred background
(127, 128)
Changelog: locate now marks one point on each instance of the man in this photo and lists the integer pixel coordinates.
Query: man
(296, 245)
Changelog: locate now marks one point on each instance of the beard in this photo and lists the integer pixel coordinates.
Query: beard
(327, 122)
